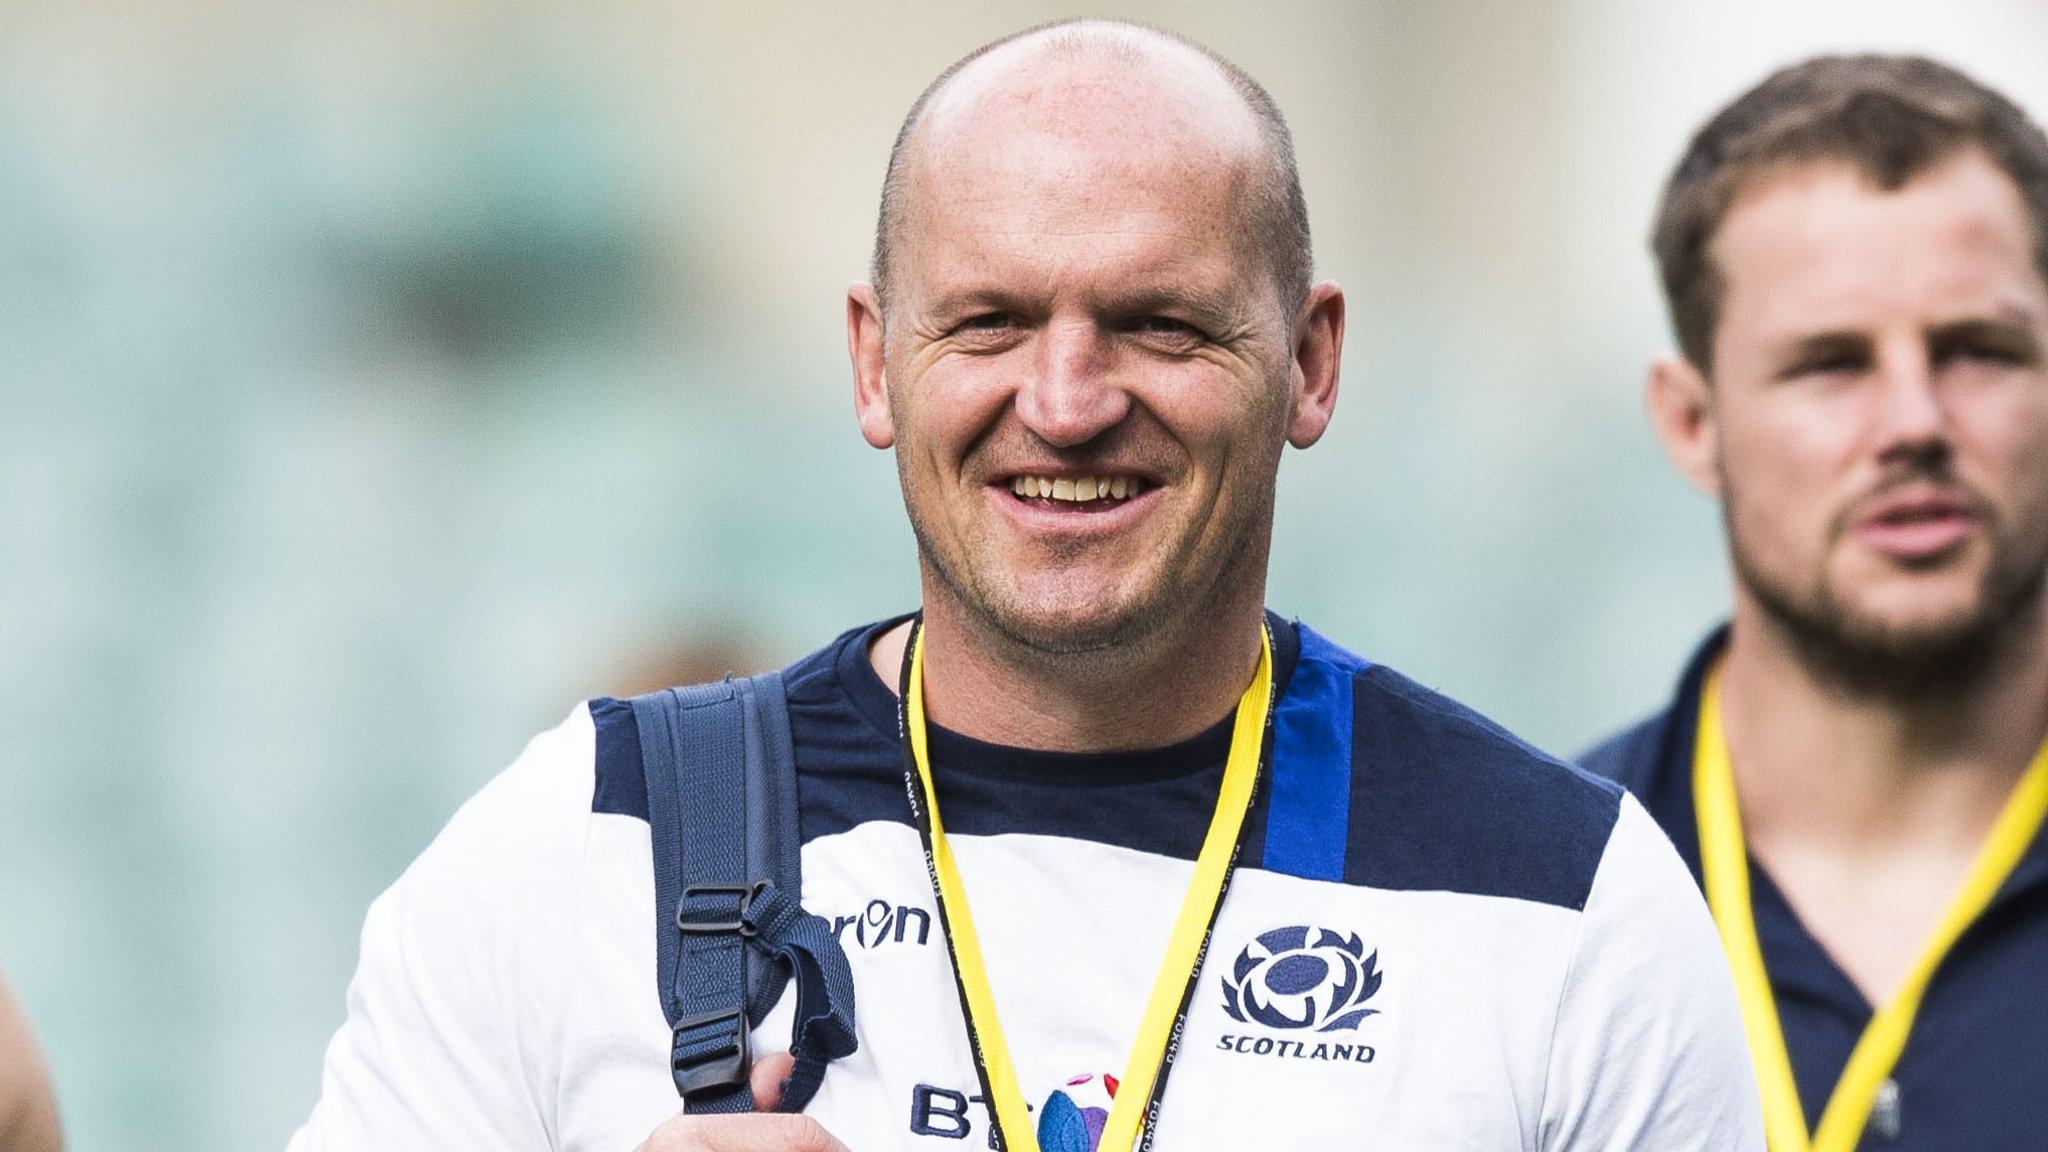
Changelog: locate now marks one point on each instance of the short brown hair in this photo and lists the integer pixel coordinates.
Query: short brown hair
(1894, 117)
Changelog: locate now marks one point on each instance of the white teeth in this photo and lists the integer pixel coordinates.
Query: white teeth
(1078, 490)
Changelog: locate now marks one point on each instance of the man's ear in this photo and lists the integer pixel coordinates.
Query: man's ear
(1318, 348)
(1680, 403)
(870, 384)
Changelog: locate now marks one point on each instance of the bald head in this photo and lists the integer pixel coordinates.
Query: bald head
(1090, 92)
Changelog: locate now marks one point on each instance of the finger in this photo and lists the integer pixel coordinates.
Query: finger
(776, 1133)
(766, 1079)
(771, 1133)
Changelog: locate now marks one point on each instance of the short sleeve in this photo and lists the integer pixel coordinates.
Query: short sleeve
(454, 1009)
(1648, 1050)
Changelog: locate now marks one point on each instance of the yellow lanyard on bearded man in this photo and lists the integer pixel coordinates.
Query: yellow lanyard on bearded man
(1724, 865)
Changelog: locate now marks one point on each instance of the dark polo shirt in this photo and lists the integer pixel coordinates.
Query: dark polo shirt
(1974, 1073)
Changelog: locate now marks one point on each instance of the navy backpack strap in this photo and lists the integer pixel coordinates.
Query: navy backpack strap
(721, 791)
(823, 1028)
(774, 841)
(693, 745)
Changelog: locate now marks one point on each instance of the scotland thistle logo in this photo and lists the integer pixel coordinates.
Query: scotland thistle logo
(1302, 977)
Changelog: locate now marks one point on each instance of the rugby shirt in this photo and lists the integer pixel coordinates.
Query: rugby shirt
(1437, 938)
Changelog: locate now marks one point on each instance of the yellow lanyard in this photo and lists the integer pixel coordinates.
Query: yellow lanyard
(1724, 864)
(1136, 1103)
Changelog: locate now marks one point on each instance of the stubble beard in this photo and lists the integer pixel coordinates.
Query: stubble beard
(1865, 656)
(1183, 600)
(1154, 618)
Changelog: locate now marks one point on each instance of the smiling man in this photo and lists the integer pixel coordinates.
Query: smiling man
(1854, 254)
(1093, 815)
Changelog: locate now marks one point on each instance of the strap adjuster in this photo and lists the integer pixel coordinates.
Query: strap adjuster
(714, 1062)
(741, 923)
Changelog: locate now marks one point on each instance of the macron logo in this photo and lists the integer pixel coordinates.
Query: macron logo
(884, 923)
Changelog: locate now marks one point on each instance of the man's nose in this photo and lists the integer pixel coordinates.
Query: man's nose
(1910, 416)
(1070, 396)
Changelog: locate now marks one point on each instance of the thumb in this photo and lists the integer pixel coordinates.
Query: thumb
(766, 1079)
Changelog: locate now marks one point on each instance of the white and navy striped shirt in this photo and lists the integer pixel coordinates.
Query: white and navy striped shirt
(1437, 938)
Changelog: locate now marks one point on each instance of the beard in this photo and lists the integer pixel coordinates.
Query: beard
(1144, 615)
(1866, 655)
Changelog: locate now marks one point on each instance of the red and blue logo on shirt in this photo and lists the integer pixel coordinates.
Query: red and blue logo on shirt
(1073, 1116)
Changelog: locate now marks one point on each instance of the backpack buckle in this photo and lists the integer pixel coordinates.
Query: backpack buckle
(740, 924)
(710, 1052)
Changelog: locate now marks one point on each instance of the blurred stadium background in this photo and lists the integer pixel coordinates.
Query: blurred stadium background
(378, 380)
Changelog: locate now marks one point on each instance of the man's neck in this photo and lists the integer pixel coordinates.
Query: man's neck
(1158, 691)
(1870, 771)
(1866, 811)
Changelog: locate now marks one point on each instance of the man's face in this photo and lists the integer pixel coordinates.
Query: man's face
(1879, 407)
(1089, 373)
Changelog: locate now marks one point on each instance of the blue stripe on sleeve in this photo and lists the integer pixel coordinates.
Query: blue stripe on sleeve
(1309, 820)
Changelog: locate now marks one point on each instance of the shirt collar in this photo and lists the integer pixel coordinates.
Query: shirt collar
(877, 701)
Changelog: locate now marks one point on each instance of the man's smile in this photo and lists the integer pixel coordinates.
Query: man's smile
(1083, 493)
(1065, 503)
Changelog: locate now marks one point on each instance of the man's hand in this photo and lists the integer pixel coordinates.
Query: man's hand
(766, 1130)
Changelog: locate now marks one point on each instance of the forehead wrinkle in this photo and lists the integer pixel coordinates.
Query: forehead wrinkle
(1081, 210)
(1112, 268)
(1162, 278)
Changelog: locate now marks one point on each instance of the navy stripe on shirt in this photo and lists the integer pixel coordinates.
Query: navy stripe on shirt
(1374, 780)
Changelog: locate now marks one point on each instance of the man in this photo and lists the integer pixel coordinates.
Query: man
(1854, 254)
(28, 1111)
(1090, 334)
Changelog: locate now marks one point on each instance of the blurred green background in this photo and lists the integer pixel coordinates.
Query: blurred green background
(379, 380)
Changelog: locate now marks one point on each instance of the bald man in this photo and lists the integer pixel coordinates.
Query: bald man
(1093, 815)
